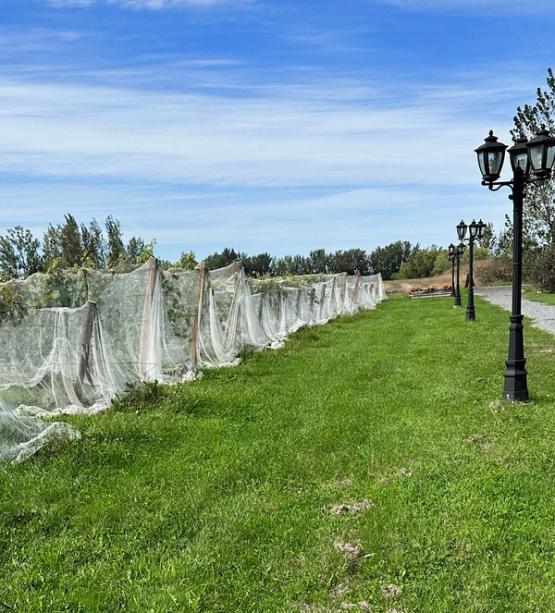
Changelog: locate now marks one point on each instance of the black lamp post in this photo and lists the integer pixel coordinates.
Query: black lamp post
(475, 231)
(459, 250)
(531, 162)
(451, 256)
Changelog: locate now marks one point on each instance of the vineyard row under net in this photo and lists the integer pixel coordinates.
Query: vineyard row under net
(73, 340)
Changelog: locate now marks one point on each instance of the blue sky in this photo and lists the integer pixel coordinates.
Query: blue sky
(266, 125)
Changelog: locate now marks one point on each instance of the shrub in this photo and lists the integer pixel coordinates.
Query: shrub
(542, 271)
(494, 270)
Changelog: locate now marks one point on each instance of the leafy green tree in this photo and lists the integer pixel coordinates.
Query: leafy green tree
(259, 265)
(420, 263)
(350, 261)
(292, 265)
(319, 261)
(187, 261)
(146, 253)
(388, 259)
(225, 258)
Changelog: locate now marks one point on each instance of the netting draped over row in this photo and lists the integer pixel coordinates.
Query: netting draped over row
(73, 340)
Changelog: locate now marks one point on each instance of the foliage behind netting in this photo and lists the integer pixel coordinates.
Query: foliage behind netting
(73, 340)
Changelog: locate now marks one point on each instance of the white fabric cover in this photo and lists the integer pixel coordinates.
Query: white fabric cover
(73, 340)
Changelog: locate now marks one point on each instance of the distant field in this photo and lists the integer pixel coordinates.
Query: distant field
(222, 495)
(405, 285)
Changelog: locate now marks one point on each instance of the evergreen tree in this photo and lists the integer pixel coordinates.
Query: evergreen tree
(135, 249)
(70, 242)
(115, 253)
(52, 247)
(19, 254)
(94, 247)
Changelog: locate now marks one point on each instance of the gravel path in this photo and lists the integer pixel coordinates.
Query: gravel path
(543, 315)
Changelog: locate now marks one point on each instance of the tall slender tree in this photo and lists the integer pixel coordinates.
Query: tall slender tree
(539, 213)
(115, 252)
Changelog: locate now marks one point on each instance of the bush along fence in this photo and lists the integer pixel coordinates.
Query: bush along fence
(73, 340)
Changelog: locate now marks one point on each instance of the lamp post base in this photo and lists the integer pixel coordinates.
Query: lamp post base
(516, 375)
(516, 386)
(470, 314)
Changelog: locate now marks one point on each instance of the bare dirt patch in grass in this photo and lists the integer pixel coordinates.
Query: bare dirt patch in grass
(353, 508)
(351, 551)
(392, 591)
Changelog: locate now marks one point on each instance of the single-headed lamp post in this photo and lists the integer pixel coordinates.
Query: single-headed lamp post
(451, 256)
(475, 231)
(531, 162)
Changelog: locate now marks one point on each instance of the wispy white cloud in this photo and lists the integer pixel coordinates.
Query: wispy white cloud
(203, 168)
(481, 5)
(282, 136)
(36, 39)
(145, 4)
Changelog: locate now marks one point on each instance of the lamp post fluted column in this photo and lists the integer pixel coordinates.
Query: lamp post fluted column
(458, 285)
(470, 308)
(459, 250)
(451, 256)
(516, 375)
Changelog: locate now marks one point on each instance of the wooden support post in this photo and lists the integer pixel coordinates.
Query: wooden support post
(333, 291)
(355, 290)
(146, 348)
(298, 305)
(234, 318)
(344, 293)
(322, 300)
(280, 305)
(86, 342)
(312, 300)
(260, 305)
(201, 286)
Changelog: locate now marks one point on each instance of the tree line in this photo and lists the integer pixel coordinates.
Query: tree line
(69, 245)
(74, 245)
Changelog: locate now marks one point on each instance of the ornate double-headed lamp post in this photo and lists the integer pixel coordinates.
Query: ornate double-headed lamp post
(451, 256)
(475, 231)
(531, 162)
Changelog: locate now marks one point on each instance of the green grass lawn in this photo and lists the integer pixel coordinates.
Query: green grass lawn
(216, 495)
(533, 293)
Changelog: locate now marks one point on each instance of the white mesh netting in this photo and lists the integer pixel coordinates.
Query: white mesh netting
(74, 339)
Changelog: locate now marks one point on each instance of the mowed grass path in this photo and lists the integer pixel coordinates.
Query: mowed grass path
(216, 495)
